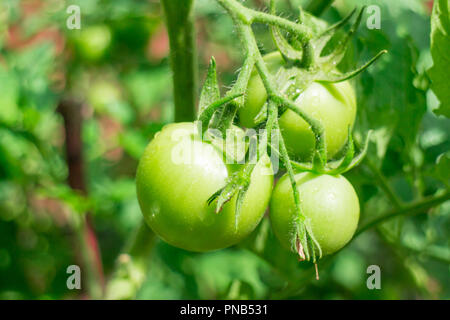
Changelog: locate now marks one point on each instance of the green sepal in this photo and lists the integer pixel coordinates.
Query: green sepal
(237, 182)
(331, 60)
(210, 90)
(360, 156)
(239, 201)
(316, 25)
(206, 115)
(339, 77)
(289, 53)
(347, 159)
(262, 114)
(301, 166)
(326, 35)
(303, 241)
(348, 163)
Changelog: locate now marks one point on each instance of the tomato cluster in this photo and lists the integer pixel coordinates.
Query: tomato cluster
(173, 193)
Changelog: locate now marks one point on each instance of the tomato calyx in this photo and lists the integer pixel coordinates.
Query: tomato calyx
(303, 241)
(348, 161)
(239, 183)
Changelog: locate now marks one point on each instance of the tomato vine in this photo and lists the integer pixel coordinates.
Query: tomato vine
(311, 66)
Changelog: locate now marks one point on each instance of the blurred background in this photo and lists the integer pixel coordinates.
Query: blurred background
(78, 107)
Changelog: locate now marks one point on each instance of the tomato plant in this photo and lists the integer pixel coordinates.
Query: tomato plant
(334, 104)
(177, 174)
(79, 107)
(330, 202)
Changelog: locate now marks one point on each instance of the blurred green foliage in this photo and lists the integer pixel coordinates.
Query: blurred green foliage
(116, 66)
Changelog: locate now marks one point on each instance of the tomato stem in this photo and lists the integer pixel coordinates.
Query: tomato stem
(183, 56)
(410, 209)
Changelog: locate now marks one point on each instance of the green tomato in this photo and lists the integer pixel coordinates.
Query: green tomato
(102, 94)
(178, 173)
(133, 32)
(330, 202)
(93, 42)
(334, 104)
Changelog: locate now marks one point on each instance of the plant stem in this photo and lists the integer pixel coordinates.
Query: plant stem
(410, 209)
(92, 274)
(308, 55)
(317, 7)
(436, 252)
(249, 16)
(84, 234)
(183, 56)
(384, 184)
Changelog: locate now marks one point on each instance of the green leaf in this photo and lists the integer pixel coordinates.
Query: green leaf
(440, 48)
(210, 91)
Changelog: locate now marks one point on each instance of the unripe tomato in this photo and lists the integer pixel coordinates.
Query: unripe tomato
(103, 93)
(330, 202)
(334, 104)
(178, 173)
(93, 42)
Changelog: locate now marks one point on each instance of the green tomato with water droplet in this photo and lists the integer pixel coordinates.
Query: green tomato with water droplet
(329, 202)
(177, 174)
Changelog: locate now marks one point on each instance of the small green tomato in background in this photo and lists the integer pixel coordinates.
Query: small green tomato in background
(334, 104)
(330, 202)
(93, 42)
(176, 176)
(102, 94)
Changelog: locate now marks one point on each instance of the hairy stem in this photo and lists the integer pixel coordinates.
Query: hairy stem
(249, 16)
(183, 56)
